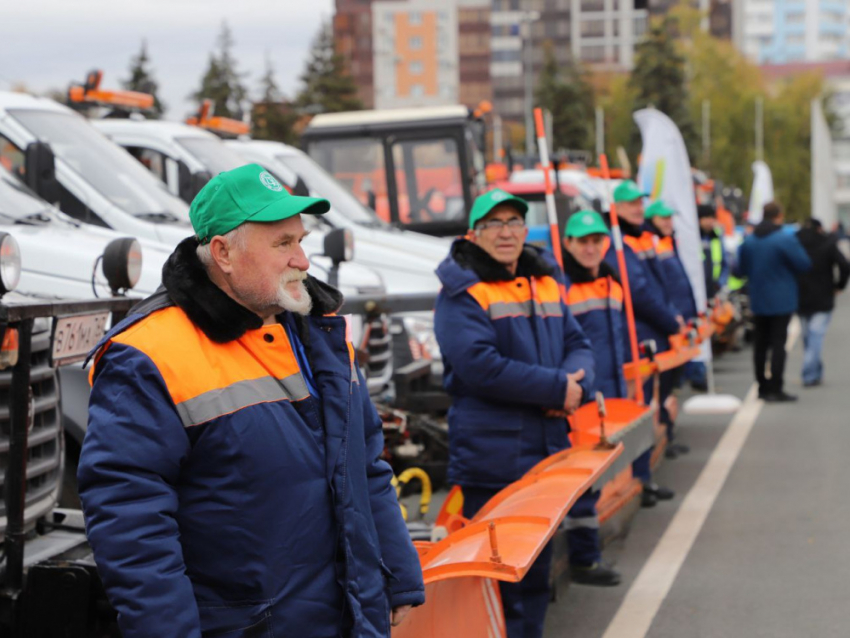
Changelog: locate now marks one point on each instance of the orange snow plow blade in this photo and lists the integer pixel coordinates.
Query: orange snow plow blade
(501, 542)
(684, 347)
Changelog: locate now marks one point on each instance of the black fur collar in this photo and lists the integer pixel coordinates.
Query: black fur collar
(221, 318)
(631, 230)
(470, 256)
(578, 274)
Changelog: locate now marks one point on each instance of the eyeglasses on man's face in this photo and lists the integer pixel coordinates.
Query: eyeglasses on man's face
(513, 224)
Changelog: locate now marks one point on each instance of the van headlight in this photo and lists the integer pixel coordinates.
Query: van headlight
(10, 263)
(122, 263)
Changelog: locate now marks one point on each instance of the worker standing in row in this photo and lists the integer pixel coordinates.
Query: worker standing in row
(655, 316)
(514, 356)
(659, 220)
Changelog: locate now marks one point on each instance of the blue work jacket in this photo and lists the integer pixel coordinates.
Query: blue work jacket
(508, 343)
(221, 497)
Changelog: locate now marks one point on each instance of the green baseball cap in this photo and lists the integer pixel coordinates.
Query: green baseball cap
(628, 191)
(483, 204)
(585, 222)
(659, 209)
(246, 194)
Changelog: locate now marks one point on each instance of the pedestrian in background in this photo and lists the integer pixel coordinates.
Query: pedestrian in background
(772, 259)
(818, 287)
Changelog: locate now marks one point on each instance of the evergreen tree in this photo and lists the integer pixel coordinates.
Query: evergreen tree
(273, 118)
(658, 79)
(566, 94)
(141, 79)
(327, 85)
(222, 83)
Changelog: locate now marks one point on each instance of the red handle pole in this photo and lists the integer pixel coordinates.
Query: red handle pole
(624, 275)
(543, 148)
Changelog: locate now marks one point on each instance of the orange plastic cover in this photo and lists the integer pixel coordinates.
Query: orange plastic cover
(509, 532)
(130, 99)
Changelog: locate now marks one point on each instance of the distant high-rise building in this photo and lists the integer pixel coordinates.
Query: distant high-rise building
(407, 53)
(352, 26)
(781, 31)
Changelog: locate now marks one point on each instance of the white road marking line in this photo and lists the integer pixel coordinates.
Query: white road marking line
(653, 583)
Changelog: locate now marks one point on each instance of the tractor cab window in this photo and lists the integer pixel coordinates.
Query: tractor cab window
(428, 179)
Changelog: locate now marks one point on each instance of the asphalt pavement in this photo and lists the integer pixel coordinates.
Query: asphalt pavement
(770, 555)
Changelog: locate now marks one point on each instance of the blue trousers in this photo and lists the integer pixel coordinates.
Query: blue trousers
(814, 330)
(583, 531)
(524, 602)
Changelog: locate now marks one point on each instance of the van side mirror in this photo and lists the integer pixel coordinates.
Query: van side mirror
(40, 171)
(339, 247)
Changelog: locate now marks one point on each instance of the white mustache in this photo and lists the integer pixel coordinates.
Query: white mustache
(294, 275)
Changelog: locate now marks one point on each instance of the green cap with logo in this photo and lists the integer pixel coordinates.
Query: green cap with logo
(483, 204)
(585, 222)
(628, 191)
(659, 209)
(246, 194)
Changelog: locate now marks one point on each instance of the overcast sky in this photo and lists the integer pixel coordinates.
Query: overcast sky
(46, 44)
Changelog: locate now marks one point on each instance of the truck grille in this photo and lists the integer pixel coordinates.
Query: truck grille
(44, 459)
(378, 342)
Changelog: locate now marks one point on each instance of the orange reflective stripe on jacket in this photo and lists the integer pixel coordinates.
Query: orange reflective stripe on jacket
(520, 297)
(643, 246)
(207, 380)
(664, 248)
(599, 294)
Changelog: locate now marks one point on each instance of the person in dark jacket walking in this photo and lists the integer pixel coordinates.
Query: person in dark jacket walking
(513, 356)
(231, 475)
(772, 259)
(818, 287)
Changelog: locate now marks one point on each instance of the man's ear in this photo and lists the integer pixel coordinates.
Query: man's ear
(221, 254)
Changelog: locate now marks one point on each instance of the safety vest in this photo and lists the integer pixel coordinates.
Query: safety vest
(716, 248)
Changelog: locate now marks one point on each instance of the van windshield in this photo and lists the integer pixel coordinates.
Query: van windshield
(320, 183)
(17, 201)
(212, 153)
(109, 169)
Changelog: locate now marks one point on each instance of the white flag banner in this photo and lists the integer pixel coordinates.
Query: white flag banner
(762, 192)
(665, 173)
(823, 169)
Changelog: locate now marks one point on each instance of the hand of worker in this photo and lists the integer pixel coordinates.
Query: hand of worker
(681, 320)
(399, 613)
(574, 391)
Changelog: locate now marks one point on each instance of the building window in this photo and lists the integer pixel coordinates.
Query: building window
(593, 53)
(416, 90)
(640, 27)
(593, 28)
(415, 43)
(592, 5)
(414, 18)
(415, 68)
(795, 18)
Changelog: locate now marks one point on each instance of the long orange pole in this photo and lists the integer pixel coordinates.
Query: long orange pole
(624, 275)
(543, 147)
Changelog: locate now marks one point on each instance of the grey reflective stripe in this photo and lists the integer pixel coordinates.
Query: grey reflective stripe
(502, 309)
(645, 254)
(548, 309)
(586, 522)
(616, 304)
(665, 256)
(221, 401)
(587, 306)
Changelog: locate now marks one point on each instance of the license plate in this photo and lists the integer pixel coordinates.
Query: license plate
(75, 336)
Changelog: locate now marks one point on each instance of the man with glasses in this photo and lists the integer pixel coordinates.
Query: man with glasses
(515, 362)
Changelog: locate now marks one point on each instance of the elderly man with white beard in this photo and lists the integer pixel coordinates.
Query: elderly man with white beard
(231, 476)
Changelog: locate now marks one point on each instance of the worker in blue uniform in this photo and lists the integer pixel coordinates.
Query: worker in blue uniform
(513, 356)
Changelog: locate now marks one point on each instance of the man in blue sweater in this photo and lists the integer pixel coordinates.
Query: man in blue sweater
(771, 259)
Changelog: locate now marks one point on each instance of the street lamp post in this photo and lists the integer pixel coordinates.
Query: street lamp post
(528, 69)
